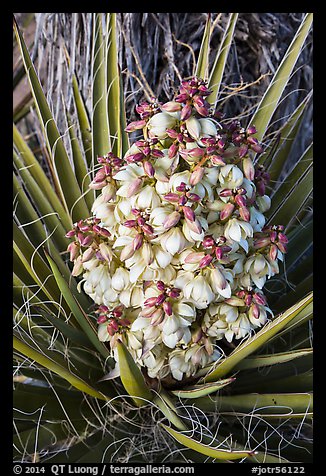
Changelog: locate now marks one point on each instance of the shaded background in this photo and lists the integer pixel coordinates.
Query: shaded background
(156, 50)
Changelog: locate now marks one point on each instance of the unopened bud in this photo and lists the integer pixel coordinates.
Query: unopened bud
(148, 168)
(260, 299)
(137, 242)
(73, 248)
(244, 213)
(205, 261)
(227, 211)
(171, 106)
(134, 126)
(195, 257)
(255, 311)
(88, 254)
(273, 252)
(105, 252)
(208, 242)
(167, 307)
(217, 160)
(150, 302)
(173, 149)
(196, 175)
(172, 197)
(189, 213)
(248, 168)
(127, 252)
(240, 200)
(171, 220)
(160, 285)
(134, 187)
(157, 317)
(186, 112)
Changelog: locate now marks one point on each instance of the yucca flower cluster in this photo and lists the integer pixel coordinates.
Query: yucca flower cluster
(177, 251)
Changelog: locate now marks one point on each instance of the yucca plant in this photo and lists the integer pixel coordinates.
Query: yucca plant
(82, 391)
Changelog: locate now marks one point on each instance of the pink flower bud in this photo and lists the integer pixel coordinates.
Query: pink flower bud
(248, 300)
(74, 251)
(87, 240)
(208, 242)
(134, 126)
(70, 234)
(171, 106)
(130, 223)
(101, 319)
(150, 302)
(189, 213)
(172, 133)
(182, 97)
(261, 243)
(148, 229)
(84, 228)
(282, 247)
(88, 254)
(172, 197)
(171, 220)
(248, 168)
(160, 285)
(148, 168)
(260, 299)
(257, 148)
(134, 187)
(97, 185)
(205, 261)
(193, 197)
(124, 322)
(244, 213)
(282, 238)
(181, 187)
(104, 232)
(193, 258)
(273, 252)
(240, 200)
(148, 311)
(186, 112)
(127, 252)
(173, 149)
(243, 149)
(226, 192)
(78, 267)
(219, 252)
(105, 252)
(260, 187)
(137, 242)
(251, 130)
(174, 293)
(135, 157)
(160, 299)
(194, 153)
(114, 325)
(255, 311)
(167, 307)
(227, 211)
(196, 175)
(194, 226)
(118, 311)
(157, 317)
(217, 160)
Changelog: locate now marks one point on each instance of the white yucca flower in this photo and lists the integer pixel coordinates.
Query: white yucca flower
(178, 240)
